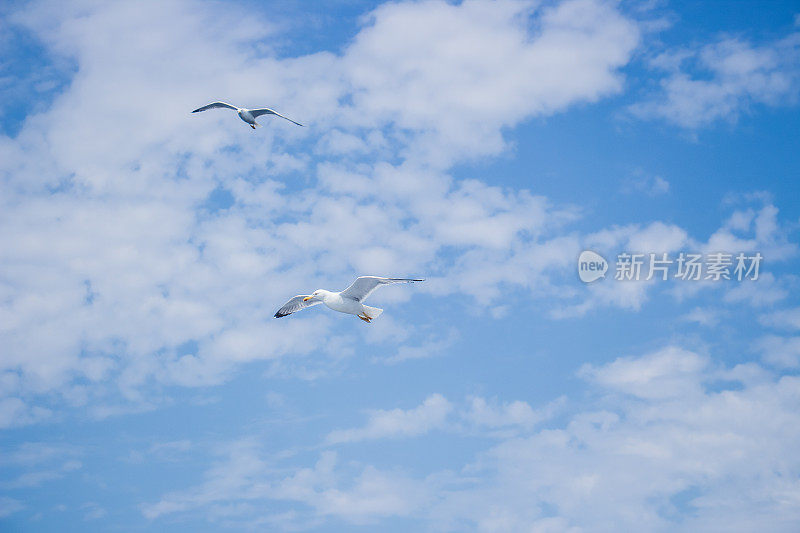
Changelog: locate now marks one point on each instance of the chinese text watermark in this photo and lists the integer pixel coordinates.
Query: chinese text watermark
(685, 266)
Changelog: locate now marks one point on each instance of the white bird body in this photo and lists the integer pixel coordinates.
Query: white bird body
(245, 115)
(349, 301)
(248, 115)
(337, 302)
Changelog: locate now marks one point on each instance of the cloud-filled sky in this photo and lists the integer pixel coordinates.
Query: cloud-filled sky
(145, 385)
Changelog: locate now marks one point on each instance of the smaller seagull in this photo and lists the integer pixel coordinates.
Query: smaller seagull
(348, 301)
(248, 115)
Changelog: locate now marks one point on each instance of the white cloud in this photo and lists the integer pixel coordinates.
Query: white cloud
(119, 276)
(468, 69)
(783, 352)
(703, 316)
(170, 451)
(117, 272)
(483, 414)
(668, 373)
(645, 184)
(654, 238)
(33, 464)
(671, 442)
(16, 412)
(720, 81)
(764, 291)
(373, 493)
(9, 506)
(93, 511)
(430, 347)
(766, 234)
(431, 414)
(783, 319)
(476, 415)
(675, 456)
(747, 230)
(243, 476)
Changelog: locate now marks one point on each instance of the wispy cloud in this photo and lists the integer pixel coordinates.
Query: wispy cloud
(723, 80)
(665, 427)
(431, 414)
(116, 262)
(645, 184)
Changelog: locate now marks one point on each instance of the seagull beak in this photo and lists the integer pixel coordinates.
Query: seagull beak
(307, 298)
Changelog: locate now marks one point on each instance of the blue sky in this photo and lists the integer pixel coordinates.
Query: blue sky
(144, 384)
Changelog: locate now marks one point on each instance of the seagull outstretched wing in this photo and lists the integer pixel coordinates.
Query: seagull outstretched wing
(294, 305)
(212, 105)
(267, 111)
(365, 285)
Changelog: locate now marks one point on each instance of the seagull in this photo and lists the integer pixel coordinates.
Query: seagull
(347, 301)
(248, 115)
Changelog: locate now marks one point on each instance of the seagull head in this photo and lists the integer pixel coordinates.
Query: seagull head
(316, 295)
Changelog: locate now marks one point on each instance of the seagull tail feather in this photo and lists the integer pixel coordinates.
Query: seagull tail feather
(372, 312)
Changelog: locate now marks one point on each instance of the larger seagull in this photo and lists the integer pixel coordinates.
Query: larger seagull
(347, 301)
(248, 115)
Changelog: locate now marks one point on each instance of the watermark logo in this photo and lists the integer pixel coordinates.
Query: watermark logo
(591, 266)
(718, 266)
